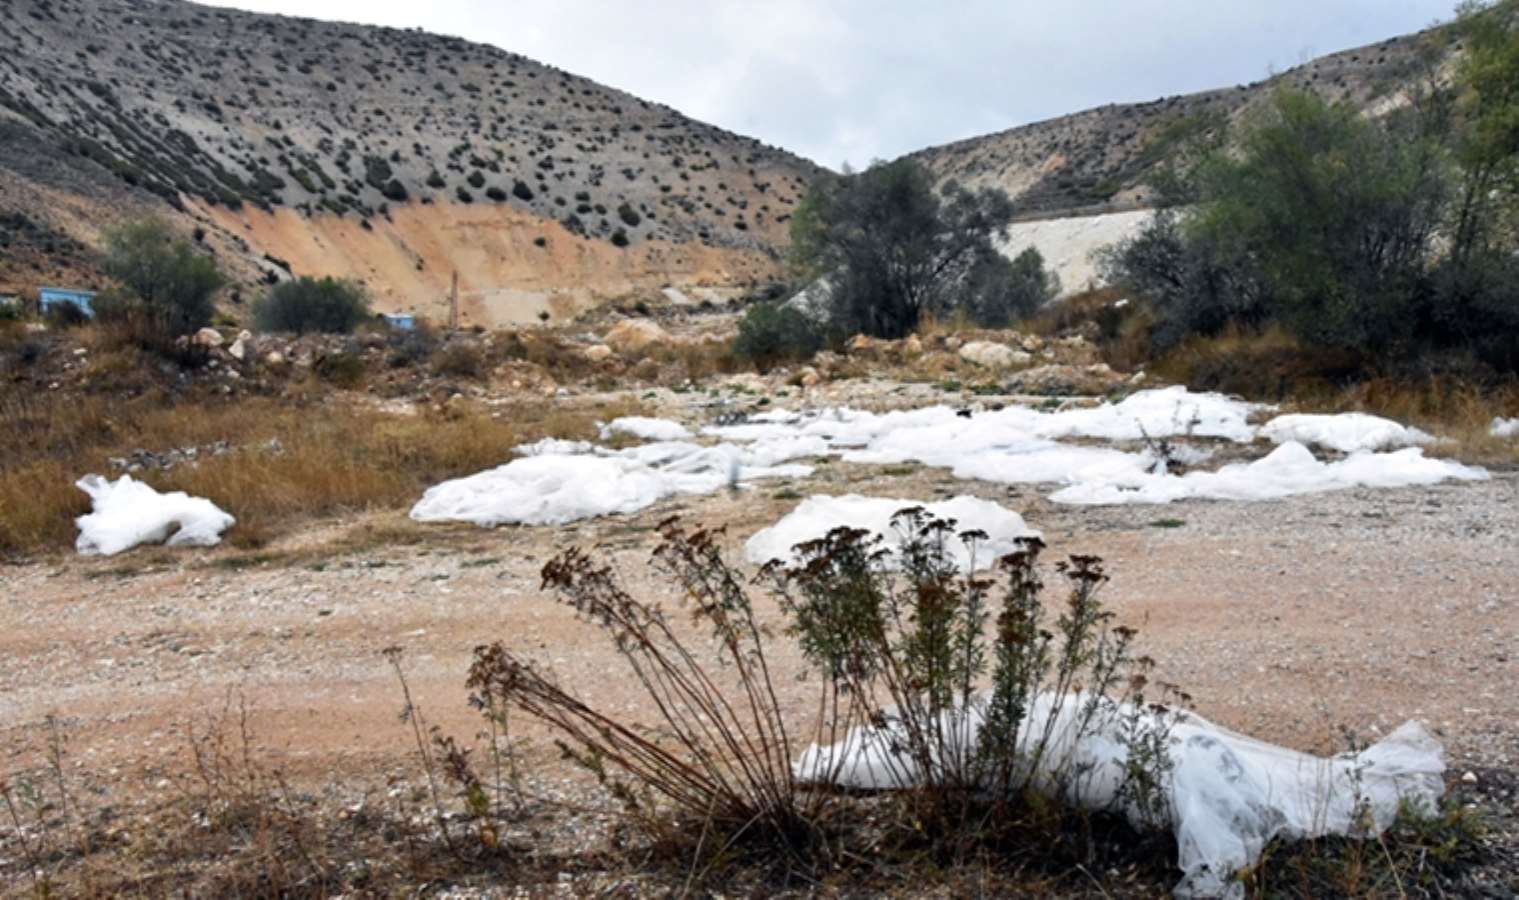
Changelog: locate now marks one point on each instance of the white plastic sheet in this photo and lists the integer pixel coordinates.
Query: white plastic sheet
(128, 513)
(1229, 795)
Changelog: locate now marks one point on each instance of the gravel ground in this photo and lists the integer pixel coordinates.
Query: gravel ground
(1289, 621)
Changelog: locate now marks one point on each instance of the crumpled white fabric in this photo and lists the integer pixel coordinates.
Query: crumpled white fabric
(128, 512)
(1229, 795)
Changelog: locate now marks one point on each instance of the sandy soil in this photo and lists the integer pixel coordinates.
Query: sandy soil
(1285, 620)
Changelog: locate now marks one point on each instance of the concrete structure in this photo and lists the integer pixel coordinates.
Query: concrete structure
(401, 321)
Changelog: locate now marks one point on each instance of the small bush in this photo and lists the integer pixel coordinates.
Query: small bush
(313, 305)
(343, 369)
(521, 191)
(772, 332)
(459, 360)
(65, 315)
(619, 238)
(629, 215)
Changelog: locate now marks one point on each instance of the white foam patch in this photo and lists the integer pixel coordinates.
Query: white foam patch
(1345, 432)
(1288, 470)
(127, 513)
(1014, 445)
(561, 481)
(816, 516)
(646, 428)
(1504, 428)
(1230, 795)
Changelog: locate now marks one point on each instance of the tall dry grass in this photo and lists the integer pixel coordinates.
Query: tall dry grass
(286, 463)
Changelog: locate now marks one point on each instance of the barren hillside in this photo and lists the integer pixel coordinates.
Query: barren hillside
(1102, 160)
(393, 156)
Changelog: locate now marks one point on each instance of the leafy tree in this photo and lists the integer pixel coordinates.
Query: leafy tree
(1486, 143)
(327, 305)
(163, 278)
(891, 249)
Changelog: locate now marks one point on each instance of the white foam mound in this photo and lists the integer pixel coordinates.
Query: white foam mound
(1289, 470)
(1229, 795)
(564, 481)
(127, 512)
(1345, 432)
(1504, 428)
(649, 429)
(816, 516)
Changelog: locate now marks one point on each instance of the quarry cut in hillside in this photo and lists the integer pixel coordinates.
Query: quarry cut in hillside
(362, 151)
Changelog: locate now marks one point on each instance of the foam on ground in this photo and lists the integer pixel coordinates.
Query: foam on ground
(128, 513)
(818, 515)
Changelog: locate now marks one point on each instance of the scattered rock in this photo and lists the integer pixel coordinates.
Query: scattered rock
(597, 353)
(207, 337)
(1058, 380)
(993, 356)
(635, 335)
(238, 350)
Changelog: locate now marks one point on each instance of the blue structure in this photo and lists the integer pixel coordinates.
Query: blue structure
(48, 297)
(401, 321)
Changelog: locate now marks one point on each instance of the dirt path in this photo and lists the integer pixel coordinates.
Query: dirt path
(1285, 620)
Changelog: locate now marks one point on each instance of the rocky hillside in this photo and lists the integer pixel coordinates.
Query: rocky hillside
(395, 156)
(1102, 160)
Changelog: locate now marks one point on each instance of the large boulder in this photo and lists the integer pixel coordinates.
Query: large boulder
(597, 353)
(991, 355)
(207, 337)
(635, 335)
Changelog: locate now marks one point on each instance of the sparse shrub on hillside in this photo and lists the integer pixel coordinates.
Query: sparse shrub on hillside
(521, 191)
(629, 215)
(770, 333)
(619, 238)
(65, 315)
(165, 283)
(326, 305)
(495, 194)
(435, 180)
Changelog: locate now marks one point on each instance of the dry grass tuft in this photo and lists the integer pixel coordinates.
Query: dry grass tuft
(285, 463)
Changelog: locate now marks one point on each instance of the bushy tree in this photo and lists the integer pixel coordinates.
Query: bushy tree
(890, 248)
(163, 279)
(327, 305)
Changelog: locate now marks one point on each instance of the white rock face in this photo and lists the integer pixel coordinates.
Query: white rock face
(208, 337)
(238, 350)
(1069, 246)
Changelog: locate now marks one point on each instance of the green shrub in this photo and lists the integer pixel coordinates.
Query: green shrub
(324, 305)
(459, 360)
(619, 238)
(629, 215)
(521, 191)
(772, 332)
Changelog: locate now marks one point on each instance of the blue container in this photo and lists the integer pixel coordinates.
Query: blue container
(49, 297)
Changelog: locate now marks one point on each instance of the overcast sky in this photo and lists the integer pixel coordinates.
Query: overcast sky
(856, 80)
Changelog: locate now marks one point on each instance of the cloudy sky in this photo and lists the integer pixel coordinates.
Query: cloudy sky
(855, 80)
